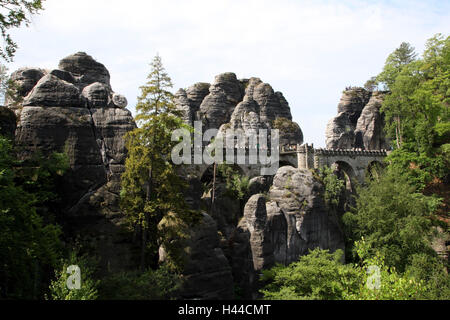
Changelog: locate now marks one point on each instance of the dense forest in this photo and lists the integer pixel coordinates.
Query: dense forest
(390, 228)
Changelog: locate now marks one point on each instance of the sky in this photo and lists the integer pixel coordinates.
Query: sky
(308, 50)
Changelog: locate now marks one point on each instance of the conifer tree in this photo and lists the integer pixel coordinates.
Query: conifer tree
(151, 189)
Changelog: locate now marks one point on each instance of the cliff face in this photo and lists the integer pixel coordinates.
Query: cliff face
(74, 109)
(229, 103)
(282, 217)
(359, 123)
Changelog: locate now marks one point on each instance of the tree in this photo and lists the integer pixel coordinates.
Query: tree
(396, 61)
(317, 276)
(371, 84)
(393, 218)
(320, 275)
(88, 289)
(3, 83)
(416, 113)
(14, 13)
(151, 188)
(29, 244)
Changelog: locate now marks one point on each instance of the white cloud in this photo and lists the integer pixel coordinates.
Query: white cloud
(309, 50)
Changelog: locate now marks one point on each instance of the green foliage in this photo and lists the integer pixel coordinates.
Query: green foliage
(29, 246)
(284, 125)
(393, 218)
(159, 284)
(433, 271)
(395, 62)
(150, 186)
(88, 286)
(416, 112)
(14, 13)
(390, 284)
(333, 186)
(318, 275)
(237, 185)
(371, 84)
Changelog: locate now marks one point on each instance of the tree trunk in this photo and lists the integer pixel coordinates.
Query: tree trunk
(146, 219)
(213, 194)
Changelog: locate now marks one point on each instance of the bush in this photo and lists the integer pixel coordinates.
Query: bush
(88, 285)
(160, 284)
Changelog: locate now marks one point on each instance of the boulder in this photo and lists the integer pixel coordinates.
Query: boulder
(51, 91)
(96, 95)
(119, 100)
(260, 184)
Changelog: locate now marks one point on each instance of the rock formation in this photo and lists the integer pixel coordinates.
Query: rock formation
(359, 123)
(229, 103)
(282, 226)
(72, 110)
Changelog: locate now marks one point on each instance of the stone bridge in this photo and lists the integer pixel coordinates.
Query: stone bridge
(353, 163)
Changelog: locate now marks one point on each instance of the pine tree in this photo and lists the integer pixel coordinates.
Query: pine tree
(151, 189)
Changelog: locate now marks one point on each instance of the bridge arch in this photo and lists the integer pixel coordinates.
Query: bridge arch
(346, 172)
(374, 169)
(208, 173)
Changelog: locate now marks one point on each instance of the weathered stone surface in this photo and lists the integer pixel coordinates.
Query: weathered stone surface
(110, 125)
(369, 132)
(272, 104)
(359, 123)
(207, 273)
(64, 75)
(96, 95)
(216, 108)
(235, 105)
(255, 220)
(70, 130)
(119, 100)
(309, 225)
(54, 118)
(182, 103)
(25, 79)
(260, 184)
(281, 227)
(51, 91)
(352, 103)
(85, 69)
(196, 93)
(7, 122)
(340, 133)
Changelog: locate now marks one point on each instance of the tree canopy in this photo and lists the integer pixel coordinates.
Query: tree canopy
(151, 188)
(13, 14)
